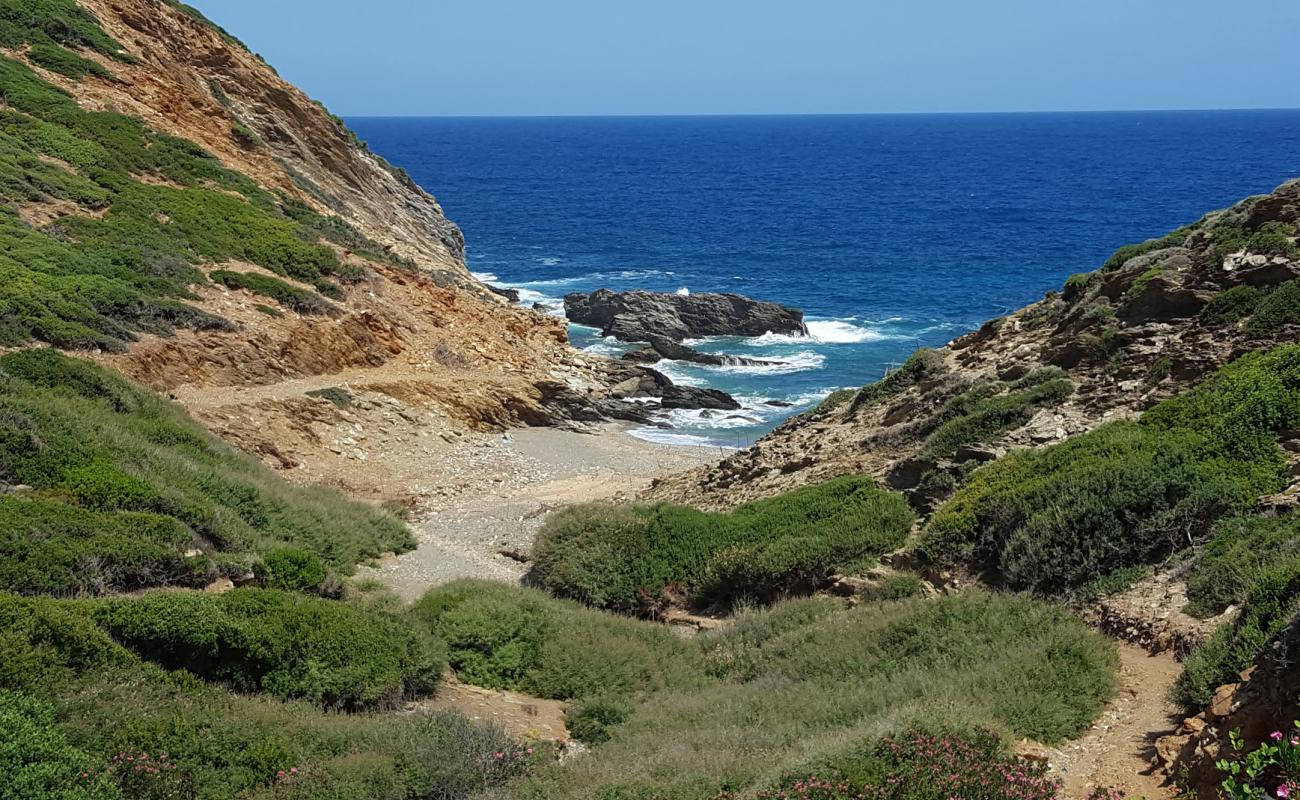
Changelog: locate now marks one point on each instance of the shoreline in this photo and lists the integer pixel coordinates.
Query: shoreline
(518, 477)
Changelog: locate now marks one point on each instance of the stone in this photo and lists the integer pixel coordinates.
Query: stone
(1224, 699)
(641, 316)
(219, 586)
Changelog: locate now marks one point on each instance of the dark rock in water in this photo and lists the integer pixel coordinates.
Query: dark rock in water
(778, 404)
(644, 316)
(661, 347)
(510, 294)
(675, 396)
(541, 306)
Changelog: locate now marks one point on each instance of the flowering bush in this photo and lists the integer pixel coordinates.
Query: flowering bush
(924, 766)
(142, 776)
(1270, 770)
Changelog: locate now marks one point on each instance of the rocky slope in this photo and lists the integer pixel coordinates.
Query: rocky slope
(269, 252)
(1154, 320)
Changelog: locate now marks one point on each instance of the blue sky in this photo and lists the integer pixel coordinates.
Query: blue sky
(416, 57)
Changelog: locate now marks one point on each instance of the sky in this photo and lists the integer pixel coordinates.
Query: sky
(562, 57)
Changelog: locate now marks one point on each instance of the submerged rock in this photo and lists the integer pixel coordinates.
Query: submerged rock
(641, 316)
(661, 348)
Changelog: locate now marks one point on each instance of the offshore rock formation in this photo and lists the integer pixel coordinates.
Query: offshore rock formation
(641, 316)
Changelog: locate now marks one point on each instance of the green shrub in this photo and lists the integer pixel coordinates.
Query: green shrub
(1279, 308)
(47, 643)
(291, 569)
(973, 418)
(1232, 305)
(593, 719)
(1054, 518)
(287, 295)
(921, 365)
(1270, 607)
(37, 761)
(286, 645)
(61, 22)
(65, 62)
(836, 399)
(126, 483)
(509, 638)
(1077, 285)
(920, 765)
(1131, 251)
(623, 558)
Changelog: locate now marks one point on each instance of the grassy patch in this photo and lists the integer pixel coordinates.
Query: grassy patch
(1131, 251)
(811, 684)
(1054, 518)
(624, 558)
(1279, 308)
(301, 300)
(125, 484)
(508, 638)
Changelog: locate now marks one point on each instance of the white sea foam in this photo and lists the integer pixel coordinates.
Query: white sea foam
(486, 277)
(661, 436)
(826, 331)
(551, 261)
(684, 292)
(801, 361)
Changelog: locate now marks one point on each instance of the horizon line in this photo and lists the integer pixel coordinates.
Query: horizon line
(709, 115)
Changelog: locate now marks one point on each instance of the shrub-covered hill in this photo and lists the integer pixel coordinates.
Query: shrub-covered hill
(108, 487)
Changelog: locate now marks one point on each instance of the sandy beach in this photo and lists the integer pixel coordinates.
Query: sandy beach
(494, 491)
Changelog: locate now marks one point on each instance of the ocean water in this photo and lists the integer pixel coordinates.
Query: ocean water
(890, 231)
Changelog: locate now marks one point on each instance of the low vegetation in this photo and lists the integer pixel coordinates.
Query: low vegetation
(128, 491)
(279, 643)
(921, 365)
(92, 711)
(806, 684)
(301, 300)
(625, 558)
(1051, 519)
(981, 413)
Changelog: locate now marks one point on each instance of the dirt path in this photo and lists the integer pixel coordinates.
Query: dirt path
(1119, 749)
(520, 716)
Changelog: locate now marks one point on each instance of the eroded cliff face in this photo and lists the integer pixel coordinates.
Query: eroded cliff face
(195, 82)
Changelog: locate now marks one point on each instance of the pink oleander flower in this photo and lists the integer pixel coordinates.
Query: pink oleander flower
(1276, 736)
(1283, 792)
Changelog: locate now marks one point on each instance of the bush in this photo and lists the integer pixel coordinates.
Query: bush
(1130, 251)
(625, 558)
(921, 365)
(47, 643)
(126, 484)
(283, 644)
(509, 638)
(37, 761)
(65, 62)
(287, 295)
(1279, 308)
(973, 418)
(291, 569)
(1232, 305)
(923, 766)
(1054, 518)
(1243, 548)
(592, 720)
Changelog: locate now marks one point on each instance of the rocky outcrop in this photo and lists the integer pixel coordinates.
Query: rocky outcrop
(641, 316)
(663, 348)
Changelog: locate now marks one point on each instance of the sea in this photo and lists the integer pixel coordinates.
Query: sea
(890, 232)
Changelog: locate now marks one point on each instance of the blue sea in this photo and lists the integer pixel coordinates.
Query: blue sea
(889, 231)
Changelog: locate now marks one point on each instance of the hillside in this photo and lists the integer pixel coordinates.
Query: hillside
(179, 212)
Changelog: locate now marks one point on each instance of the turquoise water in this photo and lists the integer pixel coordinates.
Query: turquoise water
(890, 232)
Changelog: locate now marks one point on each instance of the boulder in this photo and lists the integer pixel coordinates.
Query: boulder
(664, 348)
(641, 316)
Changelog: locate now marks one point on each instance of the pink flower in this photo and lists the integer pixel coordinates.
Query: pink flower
(1283, 792)
(1276, 736)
